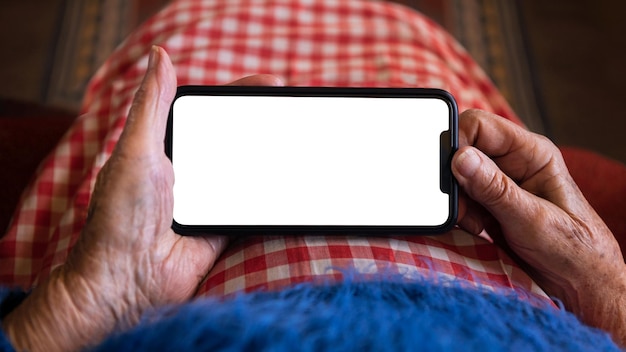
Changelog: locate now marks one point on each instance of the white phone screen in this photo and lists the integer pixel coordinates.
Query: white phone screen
(316, 161)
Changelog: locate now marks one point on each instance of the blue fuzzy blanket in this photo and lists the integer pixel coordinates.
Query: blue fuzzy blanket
(363, 316)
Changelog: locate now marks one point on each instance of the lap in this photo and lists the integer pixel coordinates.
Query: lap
(305, 43)
(272, 263)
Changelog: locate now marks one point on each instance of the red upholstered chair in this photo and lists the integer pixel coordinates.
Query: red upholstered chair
(27, 135)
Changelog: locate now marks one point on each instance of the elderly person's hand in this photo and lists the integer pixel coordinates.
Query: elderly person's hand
(529, 203)
(127, 259)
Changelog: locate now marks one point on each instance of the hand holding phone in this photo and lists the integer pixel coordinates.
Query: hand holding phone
(312, 160)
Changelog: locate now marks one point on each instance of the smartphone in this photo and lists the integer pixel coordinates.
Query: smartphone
(311, 160)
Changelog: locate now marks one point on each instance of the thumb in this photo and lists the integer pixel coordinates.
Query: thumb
(485, 183)
(145, 127)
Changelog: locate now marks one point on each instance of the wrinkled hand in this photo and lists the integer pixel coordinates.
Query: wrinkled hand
(127, 245)
(127, 259)
(529, 202)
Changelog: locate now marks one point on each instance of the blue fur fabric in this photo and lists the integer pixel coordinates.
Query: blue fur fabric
(363, 316)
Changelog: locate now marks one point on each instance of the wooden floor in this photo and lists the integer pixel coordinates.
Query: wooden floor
(578, 50)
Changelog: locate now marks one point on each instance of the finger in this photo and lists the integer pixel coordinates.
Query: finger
(145, 127)
(484, 182)
(204, 250)
(471, 214)
(258, 80)
(531, 160)
(209, 248)
(517, 151)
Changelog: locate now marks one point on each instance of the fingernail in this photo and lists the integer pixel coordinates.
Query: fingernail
(467, 162)
(152, 59)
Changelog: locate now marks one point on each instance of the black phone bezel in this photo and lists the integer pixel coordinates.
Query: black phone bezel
(448, 183)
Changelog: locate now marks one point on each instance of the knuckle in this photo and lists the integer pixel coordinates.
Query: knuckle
(499, 190)
(469, 118)
(472, 113)
(546, 145)
(544, 140)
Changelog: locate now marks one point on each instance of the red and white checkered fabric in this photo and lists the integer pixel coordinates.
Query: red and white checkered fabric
(307, 43)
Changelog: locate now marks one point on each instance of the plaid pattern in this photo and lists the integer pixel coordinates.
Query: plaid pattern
(305, 42)
(271, 263)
